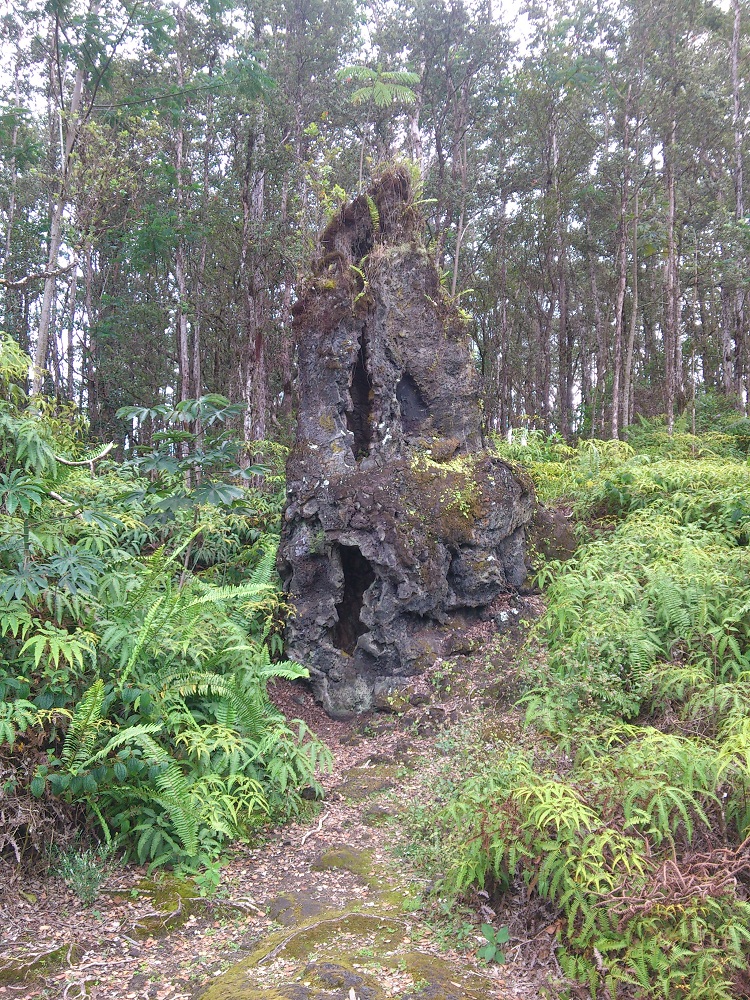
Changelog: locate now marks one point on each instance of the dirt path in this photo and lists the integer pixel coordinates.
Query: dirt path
(320, 911)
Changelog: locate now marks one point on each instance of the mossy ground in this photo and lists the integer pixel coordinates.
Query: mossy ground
(364, 782)
(369, 950)
(372, 944)
(27, 959)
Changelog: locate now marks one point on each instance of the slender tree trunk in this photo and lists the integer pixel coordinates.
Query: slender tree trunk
(415, 133)
(11, 307)
(565, 387)
(462, 154)
(671, 332)
(585, 355)
(728, 373)
(196, 370)
(74, 123)
(286, 353)
(739, 201)
(597, 400)
(622, 268)
(180, 264)
(559, 281)
(90, 348)
(543, 323)
(70, 352)
(286, 332)
(441, 219)
(627, 414)
(253, 365)
(622, 278)
(56, 369)
(502, 362)
(71, 123)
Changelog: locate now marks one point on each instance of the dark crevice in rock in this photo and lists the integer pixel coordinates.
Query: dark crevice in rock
(362, 245)
(414, 410)
(358, 576)
(358, 419)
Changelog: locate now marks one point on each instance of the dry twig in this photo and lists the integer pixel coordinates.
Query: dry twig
(316, 829)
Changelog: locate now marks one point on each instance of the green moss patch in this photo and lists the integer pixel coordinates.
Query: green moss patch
(173, 901)
(438, 979)
(362, 782)
(345, 858)
(328, 957)
(293, 909)
(26, 959)
(333, 949)
(376, 816)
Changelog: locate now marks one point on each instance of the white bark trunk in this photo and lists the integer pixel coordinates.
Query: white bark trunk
(72, 132)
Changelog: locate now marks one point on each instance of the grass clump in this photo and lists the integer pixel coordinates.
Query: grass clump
(84, 870)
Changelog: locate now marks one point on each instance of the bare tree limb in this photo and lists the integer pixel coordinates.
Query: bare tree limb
(42, 276)
(87, 461)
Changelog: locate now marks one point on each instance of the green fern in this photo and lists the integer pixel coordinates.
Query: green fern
(639, 672)
(83, 730)
(374, 214)
(16, 717)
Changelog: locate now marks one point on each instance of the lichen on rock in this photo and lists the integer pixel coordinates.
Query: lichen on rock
(397, 517)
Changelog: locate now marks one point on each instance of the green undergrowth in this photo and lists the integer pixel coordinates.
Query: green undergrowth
(139, 615)
(627, 808)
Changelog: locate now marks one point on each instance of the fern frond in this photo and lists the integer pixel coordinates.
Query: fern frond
(84, 728)
(374, 214)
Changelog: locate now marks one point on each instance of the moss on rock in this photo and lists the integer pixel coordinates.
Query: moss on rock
(361, 783)
(439, 979)
(28, 959)
(312, 959)
(173, 900)
(345, 858)
(294, 908)
(376, 815)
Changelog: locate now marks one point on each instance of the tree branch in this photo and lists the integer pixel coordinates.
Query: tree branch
(42, 276)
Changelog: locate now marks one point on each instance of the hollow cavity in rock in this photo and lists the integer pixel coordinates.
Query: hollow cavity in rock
(358, 418)
(358, 577)
(414, 410)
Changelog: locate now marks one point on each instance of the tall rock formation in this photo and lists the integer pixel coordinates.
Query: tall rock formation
(397, 518)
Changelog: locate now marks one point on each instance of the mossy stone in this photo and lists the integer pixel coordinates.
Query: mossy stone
(362, 782)
(440, 979)
(27, 959)
(327, 945)
(376, 816)
(334, 980)
(173, 900)
(293, 909)
(333, 952)
(345, 858)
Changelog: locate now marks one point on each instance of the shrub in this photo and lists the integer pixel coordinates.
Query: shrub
(632, 818)
(138, 618)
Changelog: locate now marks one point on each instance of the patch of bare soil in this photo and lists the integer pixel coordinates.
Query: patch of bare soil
(333, 873)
